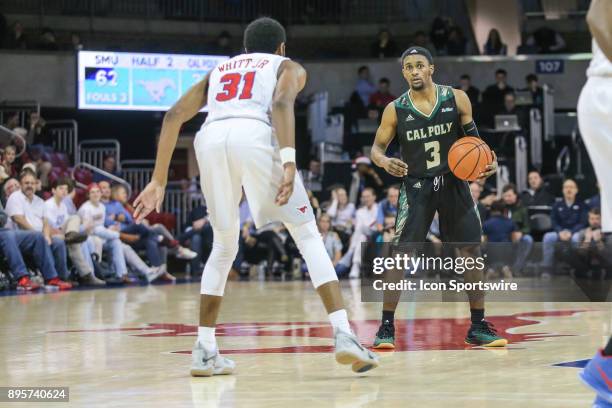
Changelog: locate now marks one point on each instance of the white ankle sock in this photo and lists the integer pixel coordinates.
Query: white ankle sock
(206, 337)
(339, 320)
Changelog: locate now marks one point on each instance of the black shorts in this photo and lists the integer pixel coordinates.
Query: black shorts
(419, 200)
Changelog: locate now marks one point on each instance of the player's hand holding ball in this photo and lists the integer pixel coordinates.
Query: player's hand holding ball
(395, 167)
(470, 158)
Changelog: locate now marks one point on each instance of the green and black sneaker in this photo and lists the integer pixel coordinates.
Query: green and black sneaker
(484, 334)
(385, 337)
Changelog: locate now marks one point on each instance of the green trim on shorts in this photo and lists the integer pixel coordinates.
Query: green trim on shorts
(402, 214)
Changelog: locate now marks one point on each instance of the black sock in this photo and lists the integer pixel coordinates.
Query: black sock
(388, 315)
(477, 315)
(608, 350)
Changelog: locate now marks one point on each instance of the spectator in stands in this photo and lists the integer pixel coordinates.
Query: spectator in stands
(569, 216)
(31, 243)
(69, 199)
(520, 217)
(314, 203)
(106, 191)
(26, 211)
(498, 229)
(385, 46)
(8, 160)
(109, 165)
(9, 187)
(199, 235)
(93, 214)
(510, 108)
(592, 250)
(387, 207)
(488, 193)
(48, 40)
(75, 42)
(64, 227)
(536, 194)
(494, 44)
(16, 39)
(365, 226)
(595, 201)
(364, 87)
(545, 40)
(383, 96)
(364, 176)
(136, 235)
(341, 211)
(313, 178)
(439, 35)
(476, 190)
(537, 93)
(37, 132)
(456, 43)
(493, 96)
(332, 242)
(223, 45)
(421, 40)
(465, 84)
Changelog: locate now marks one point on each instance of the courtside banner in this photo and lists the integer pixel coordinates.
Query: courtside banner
(504, 272)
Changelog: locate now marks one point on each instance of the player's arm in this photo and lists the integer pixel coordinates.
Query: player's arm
(384, 136)
(599, 19)
(464, 108)
(184, 109)
(291, 80)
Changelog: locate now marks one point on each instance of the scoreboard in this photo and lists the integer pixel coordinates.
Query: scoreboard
(137, 81)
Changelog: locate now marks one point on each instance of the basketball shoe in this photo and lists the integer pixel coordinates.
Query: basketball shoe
(350, 351)
(484, 334)
(385, 337)
(206, 363)
(598, 375)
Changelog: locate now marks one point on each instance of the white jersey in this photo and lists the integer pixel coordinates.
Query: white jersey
(243, 87)
(600, 66)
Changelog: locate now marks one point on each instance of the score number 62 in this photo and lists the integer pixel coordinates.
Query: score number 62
(104, 77)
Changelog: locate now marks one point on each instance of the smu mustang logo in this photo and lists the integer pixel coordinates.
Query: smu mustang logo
(411, 335)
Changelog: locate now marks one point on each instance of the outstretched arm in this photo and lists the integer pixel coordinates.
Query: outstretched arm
(599, 19)
(464, 106)
(291, 80)
(384, 136)
(152, 197)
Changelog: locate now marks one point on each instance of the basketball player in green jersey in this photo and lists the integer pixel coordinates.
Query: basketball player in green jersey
(427, 120)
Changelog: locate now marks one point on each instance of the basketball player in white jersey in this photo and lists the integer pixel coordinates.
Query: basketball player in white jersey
(248, 141)
(595, 122)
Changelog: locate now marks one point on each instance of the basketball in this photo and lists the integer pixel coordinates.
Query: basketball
(468, 157)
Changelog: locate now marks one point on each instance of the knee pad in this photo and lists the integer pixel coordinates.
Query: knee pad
(224, 250)
(308, 240)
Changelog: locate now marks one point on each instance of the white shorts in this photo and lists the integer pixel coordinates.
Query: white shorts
(241, 153)
(595, 122)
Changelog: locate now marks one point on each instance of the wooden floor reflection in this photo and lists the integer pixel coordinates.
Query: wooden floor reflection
(129, 348)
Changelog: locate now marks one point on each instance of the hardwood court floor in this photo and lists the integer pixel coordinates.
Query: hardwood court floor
(129, 348)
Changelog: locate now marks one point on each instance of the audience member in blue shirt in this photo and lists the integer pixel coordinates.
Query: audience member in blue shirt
(568, 216)
(387, 207)
(118, 214)
(499, 229)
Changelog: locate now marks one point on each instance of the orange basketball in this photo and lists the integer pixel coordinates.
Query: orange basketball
(468, 157)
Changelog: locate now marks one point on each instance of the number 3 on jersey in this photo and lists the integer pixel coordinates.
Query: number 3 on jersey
(435, 153)
(231, 82)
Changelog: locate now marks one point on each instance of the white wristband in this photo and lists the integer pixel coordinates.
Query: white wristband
(287, 155)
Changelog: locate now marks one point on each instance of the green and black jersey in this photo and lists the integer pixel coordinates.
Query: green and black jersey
(426, 139)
